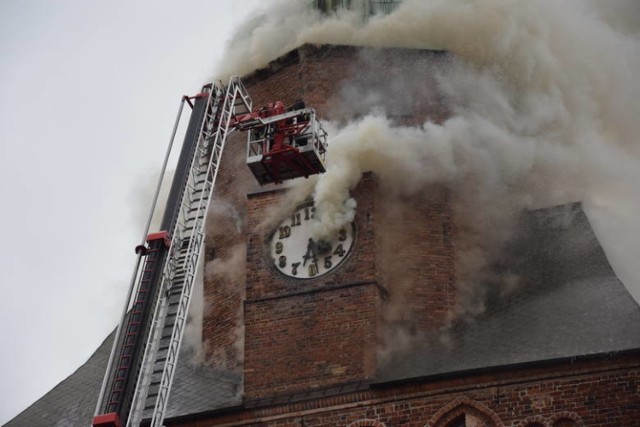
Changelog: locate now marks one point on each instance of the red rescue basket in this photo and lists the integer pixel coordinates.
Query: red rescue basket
(284, 146)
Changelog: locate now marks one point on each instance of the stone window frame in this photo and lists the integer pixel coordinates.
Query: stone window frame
(365, 422)
(460, 406)
(536, 419)
(566, 415)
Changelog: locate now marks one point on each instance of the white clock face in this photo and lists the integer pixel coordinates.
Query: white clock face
(294, 251)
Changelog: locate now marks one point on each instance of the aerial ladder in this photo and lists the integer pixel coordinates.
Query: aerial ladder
(281, 144)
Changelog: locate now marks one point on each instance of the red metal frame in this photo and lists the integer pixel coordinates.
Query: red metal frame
(111, 419)
(276, 152)
(160, 235)
(291, 158)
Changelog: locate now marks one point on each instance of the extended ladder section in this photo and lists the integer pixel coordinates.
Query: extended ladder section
(181, 268)
(147, 344)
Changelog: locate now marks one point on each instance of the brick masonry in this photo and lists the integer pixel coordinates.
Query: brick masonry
(313, 333)
(415, 260)
(588, 393)
(325, 77)
(297, 339)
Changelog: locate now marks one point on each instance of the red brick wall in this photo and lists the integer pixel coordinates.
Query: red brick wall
(224, 274)
(282, 81)
(595, 393)
(313, 333)
(321, 75)
(311, 340)
(416, 261)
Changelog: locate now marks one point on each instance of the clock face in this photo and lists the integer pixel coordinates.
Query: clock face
(295, 253)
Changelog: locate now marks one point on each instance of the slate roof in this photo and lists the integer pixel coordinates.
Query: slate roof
(72, 402)
(200, 388)
(566, 287)
(568, 303)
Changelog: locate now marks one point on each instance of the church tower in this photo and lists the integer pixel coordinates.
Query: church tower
(310, 317)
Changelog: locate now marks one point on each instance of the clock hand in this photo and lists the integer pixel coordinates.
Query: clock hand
(312, 252)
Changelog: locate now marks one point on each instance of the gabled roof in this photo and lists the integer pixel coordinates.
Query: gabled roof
(568, 303)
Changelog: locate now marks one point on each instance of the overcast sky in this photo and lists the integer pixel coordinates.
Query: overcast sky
(88, 92)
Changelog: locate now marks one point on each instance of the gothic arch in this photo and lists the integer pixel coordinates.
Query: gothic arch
(534, 421)
(464, 406)
(563, 419)
(366, 423)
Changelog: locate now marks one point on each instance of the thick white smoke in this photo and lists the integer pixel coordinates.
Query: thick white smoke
(545, 106)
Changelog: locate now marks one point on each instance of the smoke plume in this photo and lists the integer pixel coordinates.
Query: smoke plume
(543, 100)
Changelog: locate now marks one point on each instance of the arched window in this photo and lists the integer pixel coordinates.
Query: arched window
(566, 419)
(458, 422)
(463, 412)
(534, 421)
(468, 420)
(366, 423)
